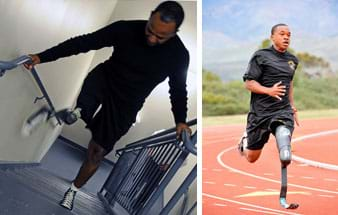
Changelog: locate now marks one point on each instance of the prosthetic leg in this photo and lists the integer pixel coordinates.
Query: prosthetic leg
(41, 116)
(283, 138)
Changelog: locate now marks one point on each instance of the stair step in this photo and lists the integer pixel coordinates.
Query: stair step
(18, 199)
(48, 186)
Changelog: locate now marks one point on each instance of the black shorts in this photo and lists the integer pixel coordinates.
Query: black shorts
(112, 121)
(259, 128)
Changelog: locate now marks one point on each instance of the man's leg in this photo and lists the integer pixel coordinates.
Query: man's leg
(250, 155)
(253, 155)
(95, 155)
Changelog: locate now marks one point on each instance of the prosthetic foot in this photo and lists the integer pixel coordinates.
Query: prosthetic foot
(283, 137)
(68, 116)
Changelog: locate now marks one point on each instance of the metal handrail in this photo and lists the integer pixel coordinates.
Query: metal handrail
(144, 170)
(169, 134)
(189, 142)
(167, 131)
(180, 191)
(9, 65)
(169, 175)
(148, 142)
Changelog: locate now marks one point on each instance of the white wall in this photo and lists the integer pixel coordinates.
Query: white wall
(32, 26)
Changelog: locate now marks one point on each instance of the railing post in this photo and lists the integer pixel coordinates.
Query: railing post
(140, 199)
(184, 186)
(164, 183)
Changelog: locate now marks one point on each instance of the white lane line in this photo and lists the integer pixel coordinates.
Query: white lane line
(220, 205)
(260, 211)
(307, 177)
(318, 134)
(302, 164)
(330, 179)
(219, 159)
(273, 190)
(209, 182)
(230, 185)
(250, 187)
(217, 170)
(327, 196)
(267, 174)
(247, 204)
(311, 162)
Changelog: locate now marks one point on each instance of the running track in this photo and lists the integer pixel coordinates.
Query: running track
(233, 186)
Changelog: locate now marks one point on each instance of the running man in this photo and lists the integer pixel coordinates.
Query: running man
(269, 78)
(146, 52)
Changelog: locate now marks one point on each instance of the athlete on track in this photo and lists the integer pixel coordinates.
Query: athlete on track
(269, 78)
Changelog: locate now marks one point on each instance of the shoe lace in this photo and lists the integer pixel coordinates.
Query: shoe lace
(69, 198)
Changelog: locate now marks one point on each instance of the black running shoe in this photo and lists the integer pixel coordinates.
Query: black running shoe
(68, 199)
(35, 120)
(243, 143)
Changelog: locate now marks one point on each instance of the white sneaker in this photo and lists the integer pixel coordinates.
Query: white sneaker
(243, 143)
(68, 199)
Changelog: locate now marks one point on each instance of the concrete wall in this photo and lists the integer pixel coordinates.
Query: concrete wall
(32, 26)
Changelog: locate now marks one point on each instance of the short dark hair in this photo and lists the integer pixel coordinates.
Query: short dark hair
(273, 29)
(170, 11)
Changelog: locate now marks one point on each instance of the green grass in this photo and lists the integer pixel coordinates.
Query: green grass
(241, 119)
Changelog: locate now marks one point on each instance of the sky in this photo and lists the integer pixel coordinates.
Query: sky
(233, 29)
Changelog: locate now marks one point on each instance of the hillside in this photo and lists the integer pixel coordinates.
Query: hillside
(230, 62)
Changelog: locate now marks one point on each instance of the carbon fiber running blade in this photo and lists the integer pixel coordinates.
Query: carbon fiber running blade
(285, 205)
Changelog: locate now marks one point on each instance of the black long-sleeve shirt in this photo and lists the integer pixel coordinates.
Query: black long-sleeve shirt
(134, 68)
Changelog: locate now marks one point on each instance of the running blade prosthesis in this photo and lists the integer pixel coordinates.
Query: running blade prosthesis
(283, 191)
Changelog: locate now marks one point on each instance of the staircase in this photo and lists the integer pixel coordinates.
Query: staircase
(35, 191)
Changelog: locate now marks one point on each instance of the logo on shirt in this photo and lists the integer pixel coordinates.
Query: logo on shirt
(292, 64)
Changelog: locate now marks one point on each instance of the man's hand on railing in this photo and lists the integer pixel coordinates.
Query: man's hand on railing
(180, 127)
(35, 60)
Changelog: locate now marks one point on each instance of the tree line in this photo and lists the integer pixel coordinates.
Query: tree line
(315, 87)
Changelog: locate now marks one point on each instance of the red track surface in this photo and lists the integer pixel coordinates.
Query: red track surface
(233, 186)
